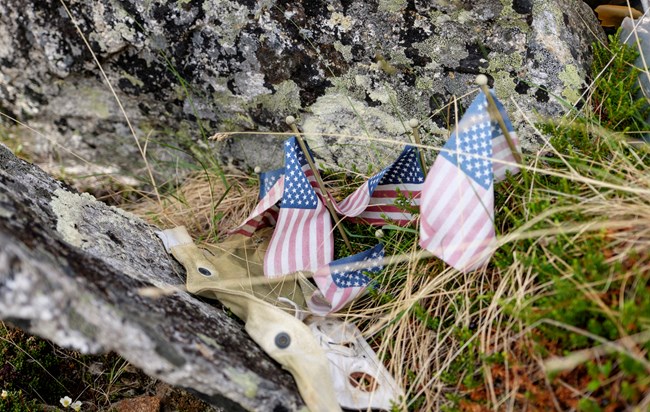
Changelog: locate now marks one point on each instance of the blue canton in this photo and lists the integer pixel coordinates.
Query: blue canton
(406, 169)
(346, 274)
(268, 180)
(470, 147)
(298, 193)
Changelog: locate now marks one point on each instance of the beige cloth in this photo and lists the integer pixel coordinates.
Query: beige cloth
(232, 273)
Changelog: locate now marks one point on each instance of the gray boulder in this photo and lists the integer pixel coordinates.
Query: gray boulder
(76, 271)
(185, 70)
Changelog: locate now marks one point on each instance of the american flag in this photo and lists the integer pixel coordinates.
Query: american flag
(374, 201)
(302, 239)
(266, 211)
(345, 279)
(457, 208)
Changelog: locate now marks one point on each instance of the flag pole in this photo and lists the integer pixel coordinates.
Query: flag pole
(482, 81)
(291, 121)
(413, 124)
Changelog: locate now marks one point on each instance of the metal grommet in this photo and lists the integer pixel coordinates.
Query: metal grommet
(204, 271)
(282, 340)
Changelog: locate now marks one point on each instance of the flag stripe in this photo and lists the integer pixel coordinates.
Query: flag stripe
(457, 205)
(404, 177)
(259, 216)
(451, 218)
(453, 230)
(343, 280)
(355, 203)
(303, 238)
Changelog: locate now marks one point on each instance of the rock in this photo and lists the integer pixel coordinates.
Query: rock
(186, 70)
(72, 270)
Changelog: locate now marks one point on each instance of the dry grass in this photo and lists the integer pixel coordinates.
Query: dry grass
(441, 330)
(491, 339)
(203, 204)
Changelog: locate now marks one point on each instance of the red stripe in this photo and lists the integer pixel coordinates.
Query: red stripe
(445, 227)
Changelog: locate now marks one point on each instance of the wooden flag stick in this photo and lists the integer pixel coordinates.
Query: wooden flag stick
(291, 121)
(482, 81)
(413, 124)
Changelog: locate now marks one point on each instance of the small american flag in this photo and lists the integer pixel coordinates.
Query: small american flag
(343, 280)
(374, 201)
(266, 212)
(457, 208)
(302, 239)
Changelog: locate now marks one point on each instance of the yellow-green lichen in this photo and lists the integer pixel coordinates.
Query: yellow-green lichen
(332, 111)
(510, 18)
(499, 67)
(340, 21)
(346, 51)
(132, 79)
(464, 16)
(286, 98)
(392, 6)
(441, 51)
(248, 381)
(504, 85)
(67, 208)
(384, 65)
(233, 18)
(508, 62)
(424, 83)
(395, 57)
(95, 102)
(572, 82)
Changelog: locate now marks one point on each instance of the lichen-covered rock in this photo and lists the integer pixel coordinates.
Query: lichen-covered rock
(78, 272)
(184, 70)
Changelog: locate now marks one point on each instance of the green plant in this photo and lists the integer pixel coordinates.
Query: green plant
(616, 97)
